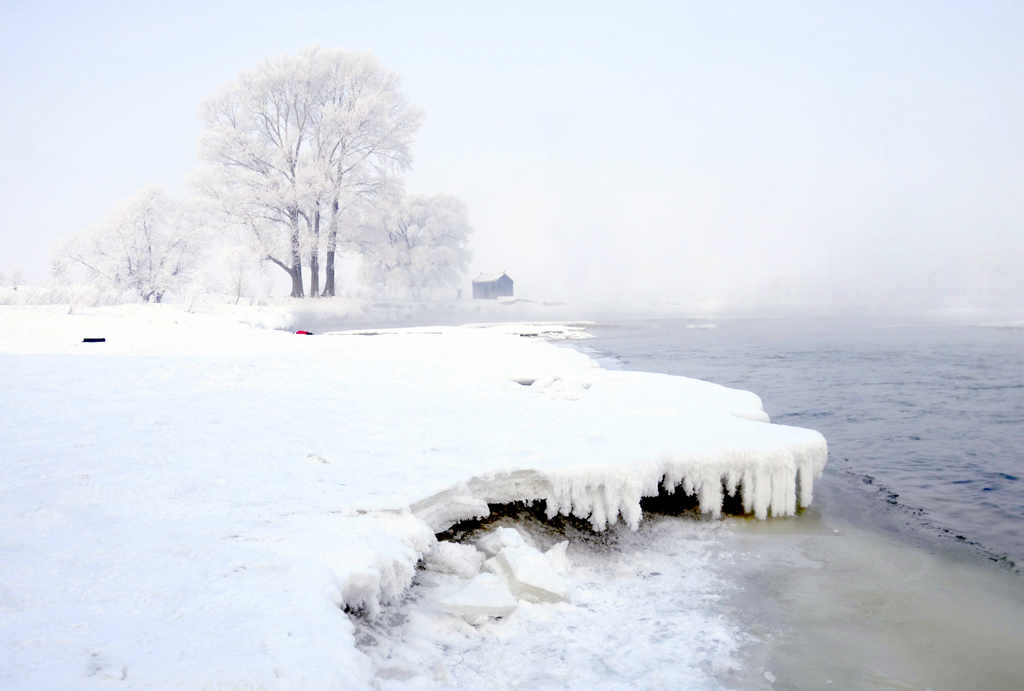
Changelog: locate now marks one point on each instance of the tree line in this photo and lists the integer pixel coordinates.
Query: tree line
(301, 159)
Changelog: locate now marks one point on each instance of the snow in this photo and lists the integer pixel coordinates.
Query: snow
(198, 502)
(488, 278)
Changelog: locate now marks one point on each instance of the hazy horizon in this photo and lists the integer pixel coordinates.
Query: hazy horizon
(750, 158)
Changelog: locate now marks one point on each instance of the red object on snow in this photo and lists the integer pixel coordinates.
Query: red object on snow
(304, 333)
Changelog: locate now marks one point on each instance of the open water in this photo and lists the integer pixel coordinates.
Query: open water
(925, 423)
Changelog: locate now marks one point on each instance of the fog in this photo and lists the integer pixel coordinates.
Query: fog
(740, 158)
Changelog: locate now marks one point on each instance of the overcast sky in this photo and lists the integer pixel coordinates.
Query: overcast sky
(773, 156)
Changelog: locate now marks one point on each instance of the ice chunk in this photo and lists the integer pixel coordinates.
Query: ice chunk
(531, 576)
(491, 565)
(557, 558)
(487, 595)
(454, 557)
(498, 539)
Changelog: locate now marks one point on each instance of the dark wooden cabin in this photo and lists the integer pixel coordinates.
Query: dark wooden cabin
(490, 287)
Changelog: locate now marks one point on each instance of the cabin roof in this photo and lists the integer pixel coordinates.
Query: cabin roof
(490, 278)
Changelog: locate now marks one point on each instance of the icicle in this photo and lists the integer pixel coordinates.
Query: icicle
(711, 494)
(731, 480)
(688, 488)
(762, 492)
(806, 479)
(747, 484)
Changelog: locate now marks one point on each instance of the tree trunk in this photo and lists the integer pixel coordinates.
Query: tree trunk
(329, 278)
(332, 244)
(296, 270)
(314, 256)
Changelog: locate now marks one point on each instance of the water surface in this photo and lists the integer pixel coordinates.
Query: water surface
(925, 423)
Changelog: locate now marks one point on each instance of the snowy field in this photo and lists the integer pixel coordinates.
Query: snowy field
(202, 503)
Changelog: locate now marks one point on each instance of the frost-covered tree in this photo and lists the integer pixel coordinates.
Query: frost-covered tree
(290, 142)
(418, 247)
(13, 280)
(147, 247)
(231, 264)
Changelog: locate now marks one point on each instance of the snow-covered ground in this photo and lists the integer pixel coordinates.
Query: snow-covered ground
(198, 502)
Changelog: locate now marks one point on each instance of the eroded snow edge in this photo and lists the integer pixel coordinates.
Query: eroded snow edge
(774, 482)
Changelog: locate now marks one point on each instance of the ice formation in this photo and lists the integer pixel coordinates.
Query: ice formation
(557, 557)
(486, 595)
(531, 576)
(647, 610)
(225, 492)
(494, 541)
(515, 570)
(455, 558)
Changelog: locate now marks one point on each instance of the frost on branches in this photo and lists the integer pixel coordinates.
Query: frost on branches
(147, 248)
(418, 248)
(302, 164)
(289, 143)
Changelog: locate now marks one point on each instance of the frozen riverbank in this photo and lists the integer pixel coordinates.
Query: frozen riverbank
(683, 603)
(195, 501)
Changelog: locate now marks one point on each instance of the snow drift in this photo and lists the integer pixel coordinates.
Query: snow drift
(195, 502)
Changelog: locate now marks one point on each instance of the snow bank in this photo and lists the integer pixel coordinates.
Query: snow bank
(195, 501)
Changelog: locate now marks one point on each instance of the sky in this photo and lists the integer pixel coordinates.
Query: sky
(751, 157)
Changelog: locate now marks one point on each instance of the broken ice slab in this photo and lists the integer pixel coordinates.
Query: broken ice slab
(486, 595)
(454, 557)
(557, 558)
(493, 542)
(531, 575)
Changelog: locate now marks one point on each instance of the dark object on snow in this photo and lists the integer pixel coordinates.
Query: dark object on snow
(487, 287)
(304, 333)
(94, 340)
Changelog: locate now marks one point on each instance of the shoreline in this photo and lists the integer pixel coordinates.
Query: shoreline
(322, 532)
(185, 441)
(896, 452)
